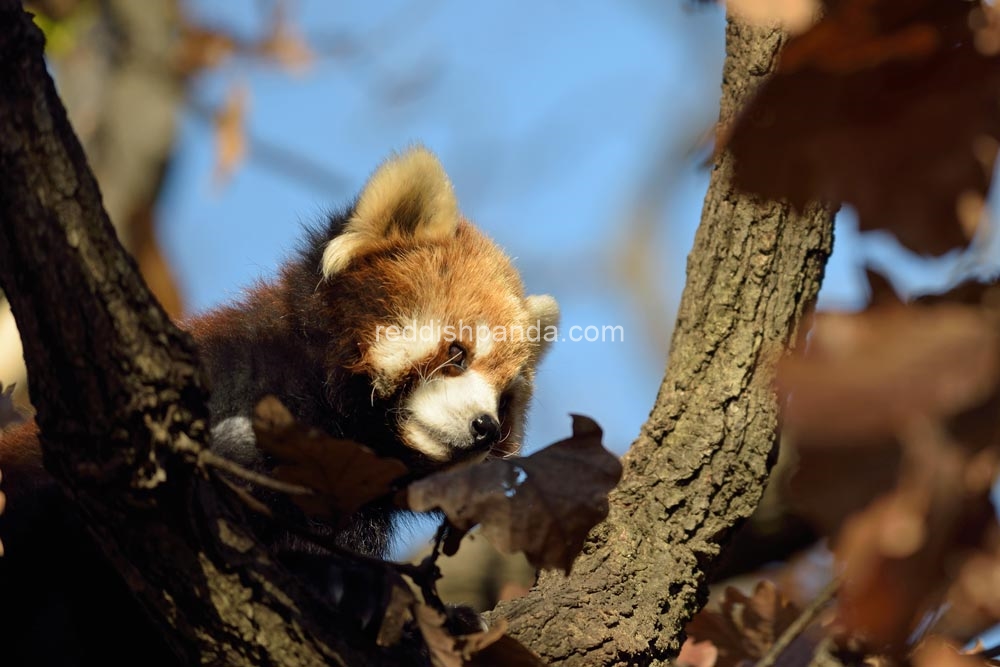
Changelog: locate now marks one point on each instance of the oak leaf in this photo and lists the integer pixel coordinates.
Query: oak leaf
(887, 105)
(342, 474)
(229, 126)
(744, 627)
(489, 648)
(544, 504)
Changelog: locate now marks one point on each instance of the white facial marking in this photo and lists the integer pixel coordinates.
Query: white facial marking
(441, 412)
(425, 444)
(484, 340)
(398, 348)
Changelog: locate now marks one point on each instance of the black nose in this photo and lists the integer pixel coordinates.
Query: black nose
(485, 431)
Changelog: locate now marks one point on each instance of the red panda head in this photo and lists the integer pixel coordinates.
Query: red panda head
(434, 314)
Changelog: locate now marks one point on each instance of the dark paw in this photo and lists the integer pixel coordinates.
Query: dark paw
(463, 620)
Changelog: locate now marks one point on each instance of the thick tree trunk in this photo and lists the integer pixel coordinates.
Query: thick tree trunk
(121, 404)
(121, 400)
(123, 94)
(701, 463)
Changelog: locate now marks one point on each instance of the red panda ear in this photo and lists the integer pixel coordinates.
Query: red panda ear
(408, 196)
(543, 310)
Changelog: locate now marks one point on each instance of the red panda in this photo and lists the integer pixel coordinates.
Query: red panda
(398, 325)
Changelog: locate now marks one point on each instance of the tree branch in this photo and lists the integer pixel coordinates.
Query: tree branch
(121, 403)
(700, 465)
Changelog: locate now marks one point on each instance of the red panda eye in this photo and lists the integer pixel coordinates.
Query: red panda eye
(456, 355)
(505, 400)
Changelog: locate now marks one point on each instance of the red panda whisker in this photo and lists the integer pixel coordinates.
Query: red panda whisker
(445, 364)
(401, 248)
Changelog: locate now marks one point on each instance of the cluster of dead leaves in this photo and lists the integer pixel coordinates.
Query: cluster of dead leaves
(741, 629)
(544, 505)
(892, 107)
(895, 416)
(894, 412)
(200, 48)
(450, 646)
(887, 105)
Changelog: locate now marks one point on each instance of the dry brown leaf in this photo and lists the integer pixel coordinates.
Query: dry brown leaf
(936, 652)
(543, 505)
(881, 292)
(896, 411)
(697, 654)
(472, 644)
(447, 650)
(831, 483)
(884, 105)
(440, 643)
(285, 45)
(745, 627)
(230, 134)
(202, 48)
(973, 603)
(343, 474)
(854, 391)
(900, 554)
(397, 613)
(867, 375)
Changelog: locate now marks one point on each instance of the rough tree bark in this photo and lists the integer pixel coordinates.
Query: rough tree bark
(123, 95)
(121, 404)
(121, 400)
(701, 462)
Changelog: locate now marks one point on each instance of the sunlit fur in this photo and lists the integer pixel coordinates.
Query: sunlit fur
(400, 253)
(409, 198)
(317, 336)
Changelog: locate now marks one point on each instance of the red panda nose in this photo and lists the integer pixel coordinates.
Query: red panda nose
(485, 431)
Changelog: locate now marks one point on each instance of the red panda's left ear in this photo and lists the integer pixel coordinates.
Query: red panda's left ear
(408, 196)
(543, 311)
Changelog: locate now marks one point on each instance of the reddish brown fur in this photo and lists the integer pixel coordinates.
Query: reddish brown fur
(21, 457)
(463, 278)
(400, 253)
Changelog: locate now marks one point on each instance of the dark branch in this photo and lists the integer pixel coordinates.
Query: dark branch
(121, 403)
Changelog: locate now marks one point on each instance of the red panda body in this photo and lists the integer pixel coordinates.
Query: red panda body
(398, 325)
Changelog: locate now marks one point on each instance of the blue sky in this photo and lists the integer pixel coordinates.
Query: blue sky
(551, 118)
(545, 119)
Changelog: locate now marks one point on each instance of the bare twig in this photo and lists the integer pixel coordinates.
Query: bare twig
(207, 457)
(247, 497)
(807, 616)
(426, 573)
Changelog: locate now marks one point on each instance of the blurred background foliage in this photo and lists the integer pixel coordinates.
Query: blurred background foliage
(576, 136)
